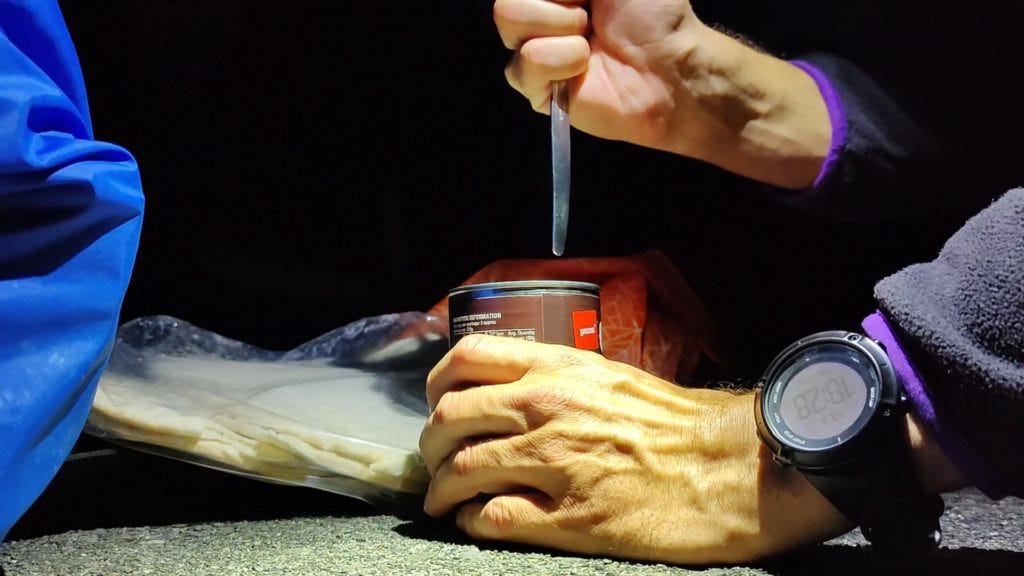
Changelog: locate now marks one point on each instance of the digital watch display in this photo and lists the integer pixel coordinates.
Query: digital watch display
(822, 395)
(819, 397)
(830, 405)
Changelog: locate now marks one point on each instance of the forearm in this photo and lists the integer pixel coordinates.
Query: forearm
(756, 115)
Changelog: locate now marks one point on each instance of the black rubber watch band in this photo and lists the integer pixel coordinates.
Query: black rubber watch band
(881, 494)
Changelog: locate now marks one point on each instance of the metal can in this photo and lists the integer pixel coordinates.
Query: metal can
(551, 311)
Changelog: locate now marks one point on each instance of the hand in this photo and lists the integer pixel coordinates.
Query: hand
(651, 73)
(553, 446)
(617, 96)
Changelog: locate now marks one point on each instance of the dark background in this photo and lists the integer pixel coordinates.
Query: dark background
(310, 162)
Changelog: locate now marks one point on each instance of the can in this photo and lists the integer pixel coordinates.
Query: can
(551, 311)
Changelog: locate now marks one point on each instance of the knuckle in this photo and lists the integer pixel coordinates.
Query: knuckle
(545, 397)
(433, 458)
(464, 460)
(424, 440)
(552, 452)
(447, 408)
(530, 52)
(460, 353)
(500, 518)
(433, 387)
(581, 19)
(504, 14)
(467, 349)
(545, 402)
(569, 356)
(502, 10)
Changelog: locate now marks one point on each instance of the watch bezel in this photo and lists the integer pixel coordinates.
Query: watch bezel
(819, 457)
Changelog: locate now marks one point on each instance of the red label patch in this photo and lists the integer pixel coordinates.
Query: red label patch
(585, 330)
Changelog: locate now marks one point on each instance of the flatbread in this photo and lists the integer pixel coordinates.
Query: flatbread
(279, 420)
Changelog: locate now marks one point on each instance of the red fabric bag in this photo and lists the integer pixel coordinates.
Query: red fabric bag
(650, 317)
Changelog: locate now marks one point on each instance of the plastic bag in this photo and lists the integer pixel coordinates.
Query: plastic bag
(341, 413)
(344, 411)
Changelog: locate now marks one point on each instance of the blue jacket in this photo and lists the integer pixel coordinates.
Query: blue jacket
(70, 215)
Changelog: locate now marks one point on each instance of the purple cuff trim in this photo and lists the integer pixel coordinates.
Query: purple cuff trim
(836, 115)
(931, 414)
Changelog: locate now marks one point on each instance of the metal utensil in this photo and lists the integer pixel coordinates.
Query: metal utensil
(559, 166)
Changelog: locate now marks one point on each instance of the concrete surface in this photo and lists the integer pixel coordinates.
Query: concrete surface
(981, 538)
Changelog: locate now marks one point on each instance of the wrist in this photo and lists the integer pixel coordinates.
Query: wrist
(790, 512)
(934, 470)
(798, 513)
(830, 405)
(750, 113)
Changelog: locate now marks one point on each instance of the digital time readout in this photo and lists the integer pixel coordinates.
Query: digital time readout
(823, 400)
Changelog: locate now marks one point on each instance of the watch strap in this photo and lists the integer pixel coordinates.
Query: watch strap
(880, 493)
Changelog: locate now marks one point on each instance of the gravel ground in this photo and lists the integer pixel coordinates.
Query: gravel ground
(981, 537)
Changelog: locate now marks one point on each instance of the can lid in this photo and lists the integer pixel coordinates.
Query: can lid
(526, 286)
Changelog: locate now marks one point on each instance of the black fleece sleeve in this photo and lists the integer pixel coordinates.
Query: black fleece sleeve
(893, 157)
(961, 320)
(870, 169)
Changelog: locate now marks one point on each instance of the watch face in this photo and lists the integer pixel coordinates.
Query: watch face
(821, 396)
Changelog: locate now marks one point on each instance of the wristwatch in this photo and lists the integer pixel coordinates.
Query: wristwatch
(830, 405)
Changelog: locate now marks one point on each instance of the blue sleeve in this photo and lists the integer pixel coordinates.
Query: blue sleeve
(70, 215)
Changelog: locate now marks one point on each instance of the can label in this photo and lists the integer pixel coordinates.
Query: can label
(529, 311)
(585, 330)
